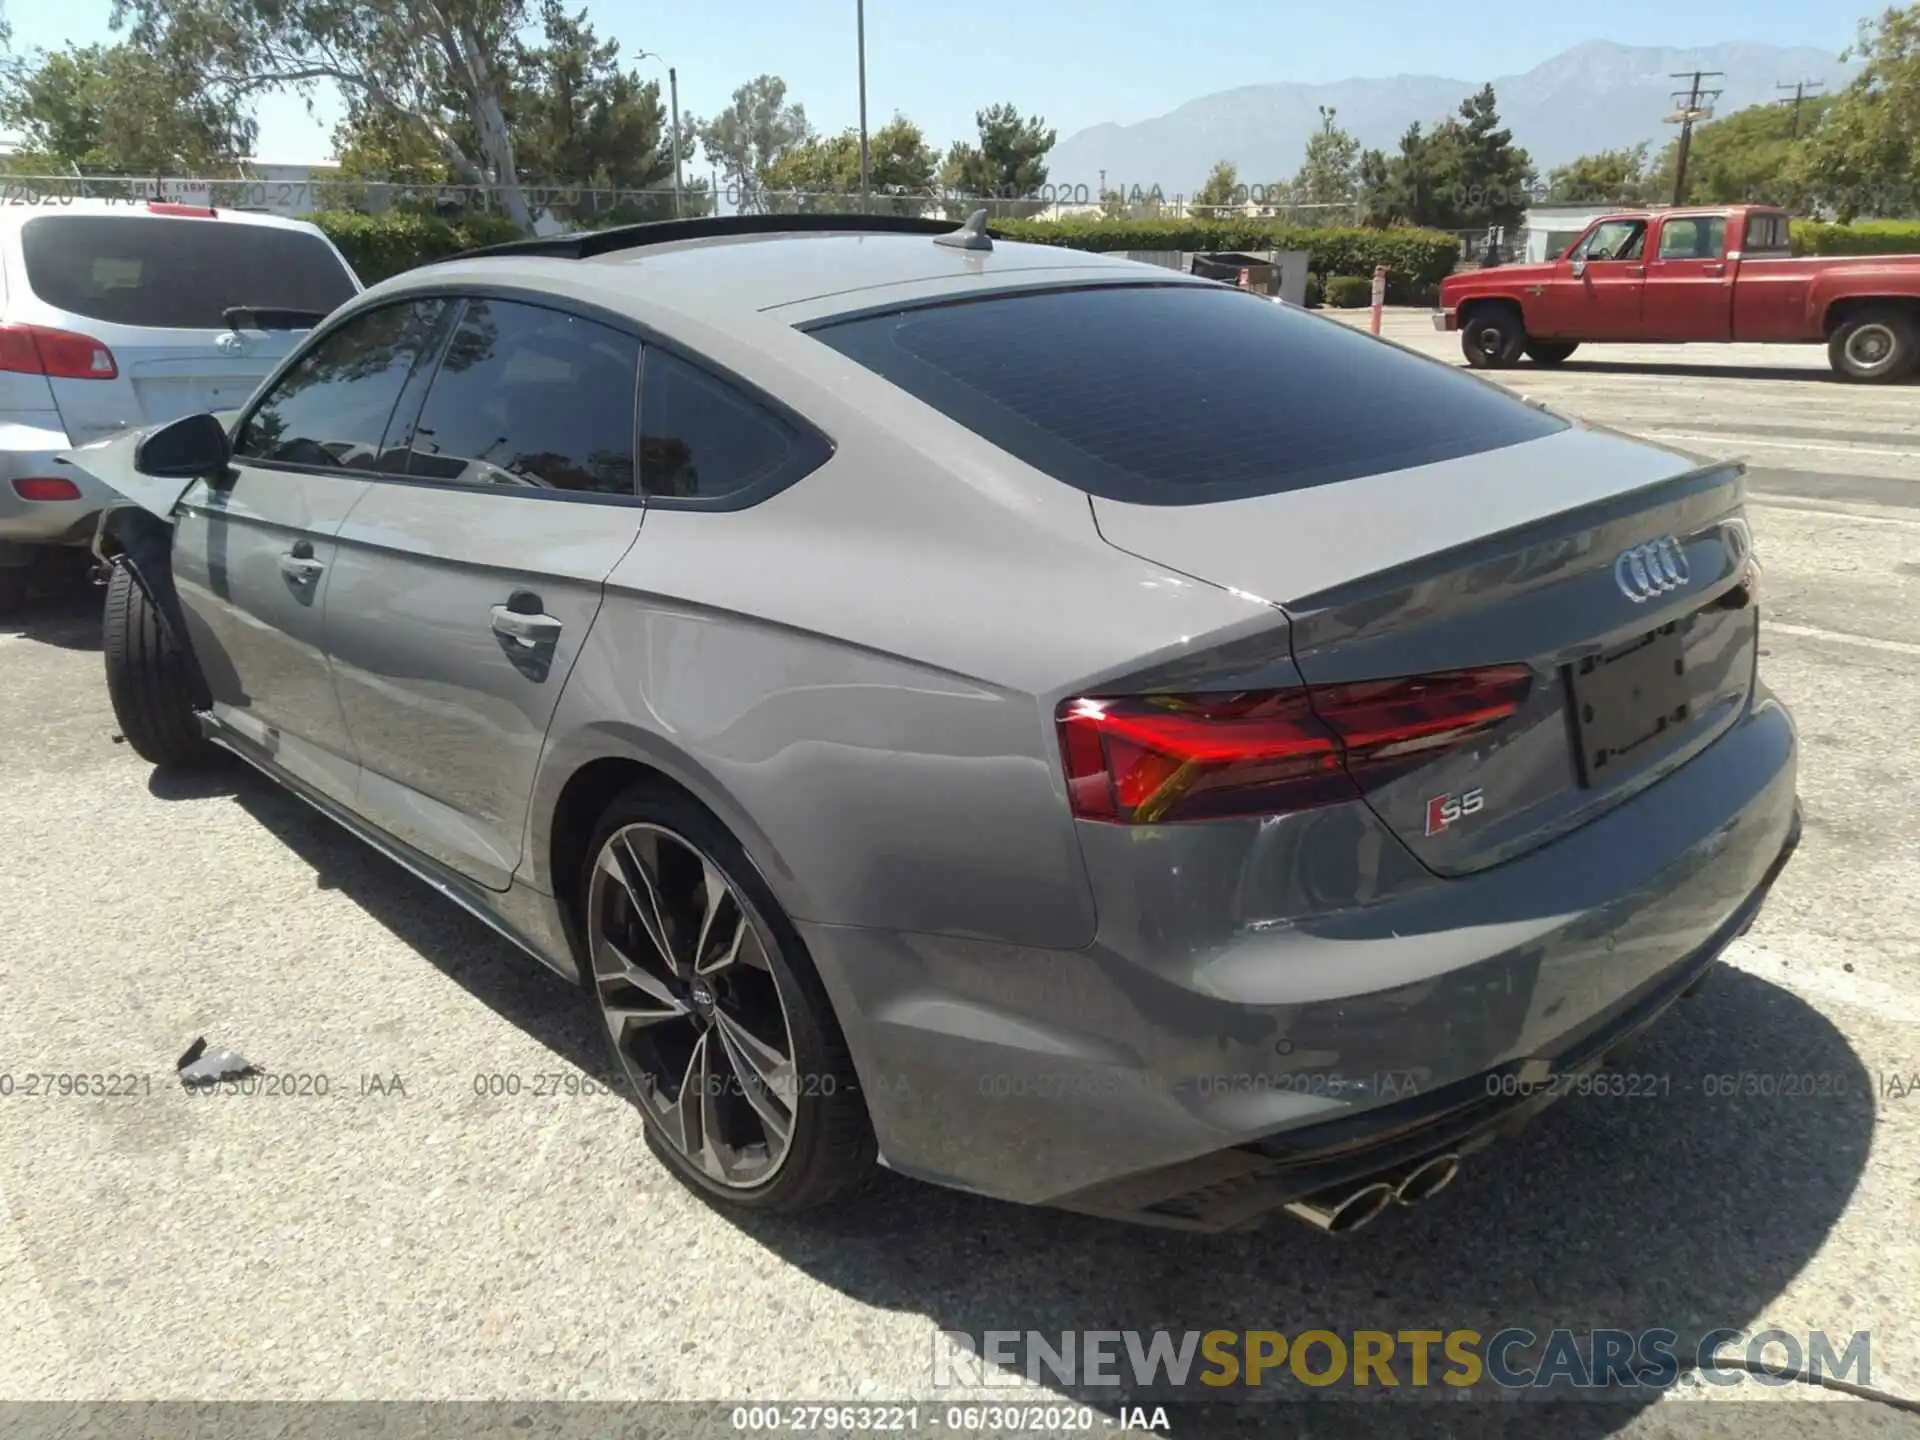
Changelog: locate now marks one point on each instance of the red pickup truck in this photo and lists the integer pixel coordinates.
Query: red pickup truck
(1691, 274)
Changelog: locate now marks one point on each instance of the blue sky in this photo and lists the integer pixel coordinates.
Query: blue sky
(1075, 63)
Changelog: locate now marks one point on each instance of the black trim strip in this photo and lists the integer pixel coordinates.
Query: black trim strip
(585, 244)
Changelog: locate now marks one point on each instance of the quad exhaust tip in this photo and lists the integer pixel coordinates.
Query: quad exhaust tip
(1342, 1211)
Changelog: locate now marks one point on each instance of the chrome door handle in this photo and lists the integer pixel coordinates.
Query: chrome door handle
(300, 569)
(1714, 270)
(527, 629)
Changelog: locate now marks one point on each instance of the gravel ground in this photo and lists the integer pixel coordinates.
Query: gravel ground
(406, 1236)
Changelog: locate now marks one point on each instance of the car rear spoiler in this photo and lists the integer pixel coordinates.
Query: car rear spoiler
(267, 317)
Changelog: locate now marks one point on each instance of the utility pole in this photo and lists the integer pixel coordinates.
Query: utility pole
(673, 86)
(673, 89)
(860, 22)
(1692, 104)
(1801, 90)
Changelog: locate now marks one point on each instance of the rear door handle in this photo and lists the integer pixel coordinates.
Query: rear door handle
(535, 629)
(300, 569)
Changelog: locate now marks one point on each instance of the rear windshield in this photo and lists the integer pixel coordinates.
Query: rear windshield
(176, 274)
(1182, 394)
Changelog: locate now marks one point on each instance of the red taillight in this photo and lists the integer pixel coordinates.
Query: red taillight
(173, 207)
(59, 354)
(45, 487)
(1149, 759)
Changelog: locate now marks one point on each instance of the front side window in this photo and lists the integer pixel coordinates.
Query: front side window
(1182, 394)
(1613, 240)
(177, 273)
(1694, 237)
(331, 408)
(530, 397)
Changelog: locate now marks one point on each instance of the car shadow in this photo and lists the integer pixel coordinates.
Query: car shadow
(1679, 1208)
(491, 968)
(1684, 371)
(1683, 1210)
(66, 616)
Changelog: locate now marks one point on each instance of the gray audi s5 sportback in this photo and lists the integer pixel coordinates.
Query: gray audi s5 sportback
(1043, 723)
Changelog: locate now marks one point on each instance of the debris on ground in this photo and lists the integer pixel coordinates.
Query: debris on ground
(196, 1067)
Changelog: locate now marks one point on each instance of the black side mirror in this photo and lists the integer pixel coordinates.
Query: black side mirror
(194, 447)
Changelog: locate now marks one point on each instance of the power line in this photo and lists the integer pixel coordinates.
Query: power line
(1691, 104)
(1801, 90)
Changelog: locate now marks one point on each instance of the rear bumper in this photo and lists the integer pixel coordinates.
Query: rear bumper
(29, 447)
(1446, 319)
(1186, 1077)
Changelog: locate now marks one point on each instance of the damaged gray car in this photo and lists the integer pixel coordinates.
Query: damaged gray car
(1052, 726)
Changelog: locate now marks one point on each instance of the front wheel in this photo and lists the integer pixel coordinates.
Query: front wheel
(150, 676)
(715, 1015)
(1550, 352)
(1493, 337)
(1873, 347)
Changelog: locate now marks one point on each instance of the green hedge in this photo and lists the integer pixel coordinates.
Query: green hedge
(1866, 237)
(1413, 257)
(1349, 292)
(381, 245)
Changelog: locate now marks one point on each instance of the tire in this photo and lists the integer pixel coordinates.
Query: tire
(1873, 347)
(1550, 352)
(829, 1150)
(1492, 337)
(150, 677)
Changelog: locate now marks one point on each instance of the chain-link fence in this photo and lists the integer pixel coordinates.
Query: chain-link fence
(296, 190)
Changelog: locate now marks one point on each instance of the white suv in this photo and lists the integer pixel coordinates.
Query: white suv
(116, 315)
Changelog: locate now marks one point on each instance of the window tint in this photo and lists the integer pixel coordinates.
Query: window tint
(177, 274)
(1694, 237)
(1180, 395)
(530, 397)
(332, 407)
(700, 439)
(1614, 240)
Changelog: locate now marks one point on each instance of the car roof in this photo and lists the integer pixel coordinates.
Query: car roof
(815, 273)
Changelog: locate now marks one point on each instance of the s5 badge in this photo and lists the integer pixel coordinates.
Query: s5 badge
(1444, 811)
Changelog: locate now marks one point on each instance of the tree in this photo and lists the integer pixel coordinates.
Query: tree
(1010, 160)
(752, 134)
(822, 171)
(1864, 159)
(577, 118)
(1331, 171)
(1221, 190)
(447, 64)
(1750, 156)
(1484, 178)
(1379, 200)
(1605, 177)
(123, 108)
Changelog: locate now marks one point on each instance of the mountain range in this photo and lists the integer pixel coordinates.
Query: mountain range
(1596, 96)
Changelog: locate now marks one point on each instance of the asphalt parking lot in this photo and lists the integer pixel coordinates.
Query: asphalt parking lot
(414, 1233)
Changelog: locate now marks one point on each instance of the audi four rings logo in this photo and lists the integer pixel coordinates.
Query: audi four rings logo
(1652, 569)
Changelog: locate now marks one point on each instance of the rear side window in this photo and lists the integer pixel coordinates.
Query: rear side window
(1183, 395)
(1767, 234)
(527, 396)
(171, 273)
(332, 406)
(701, 439)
